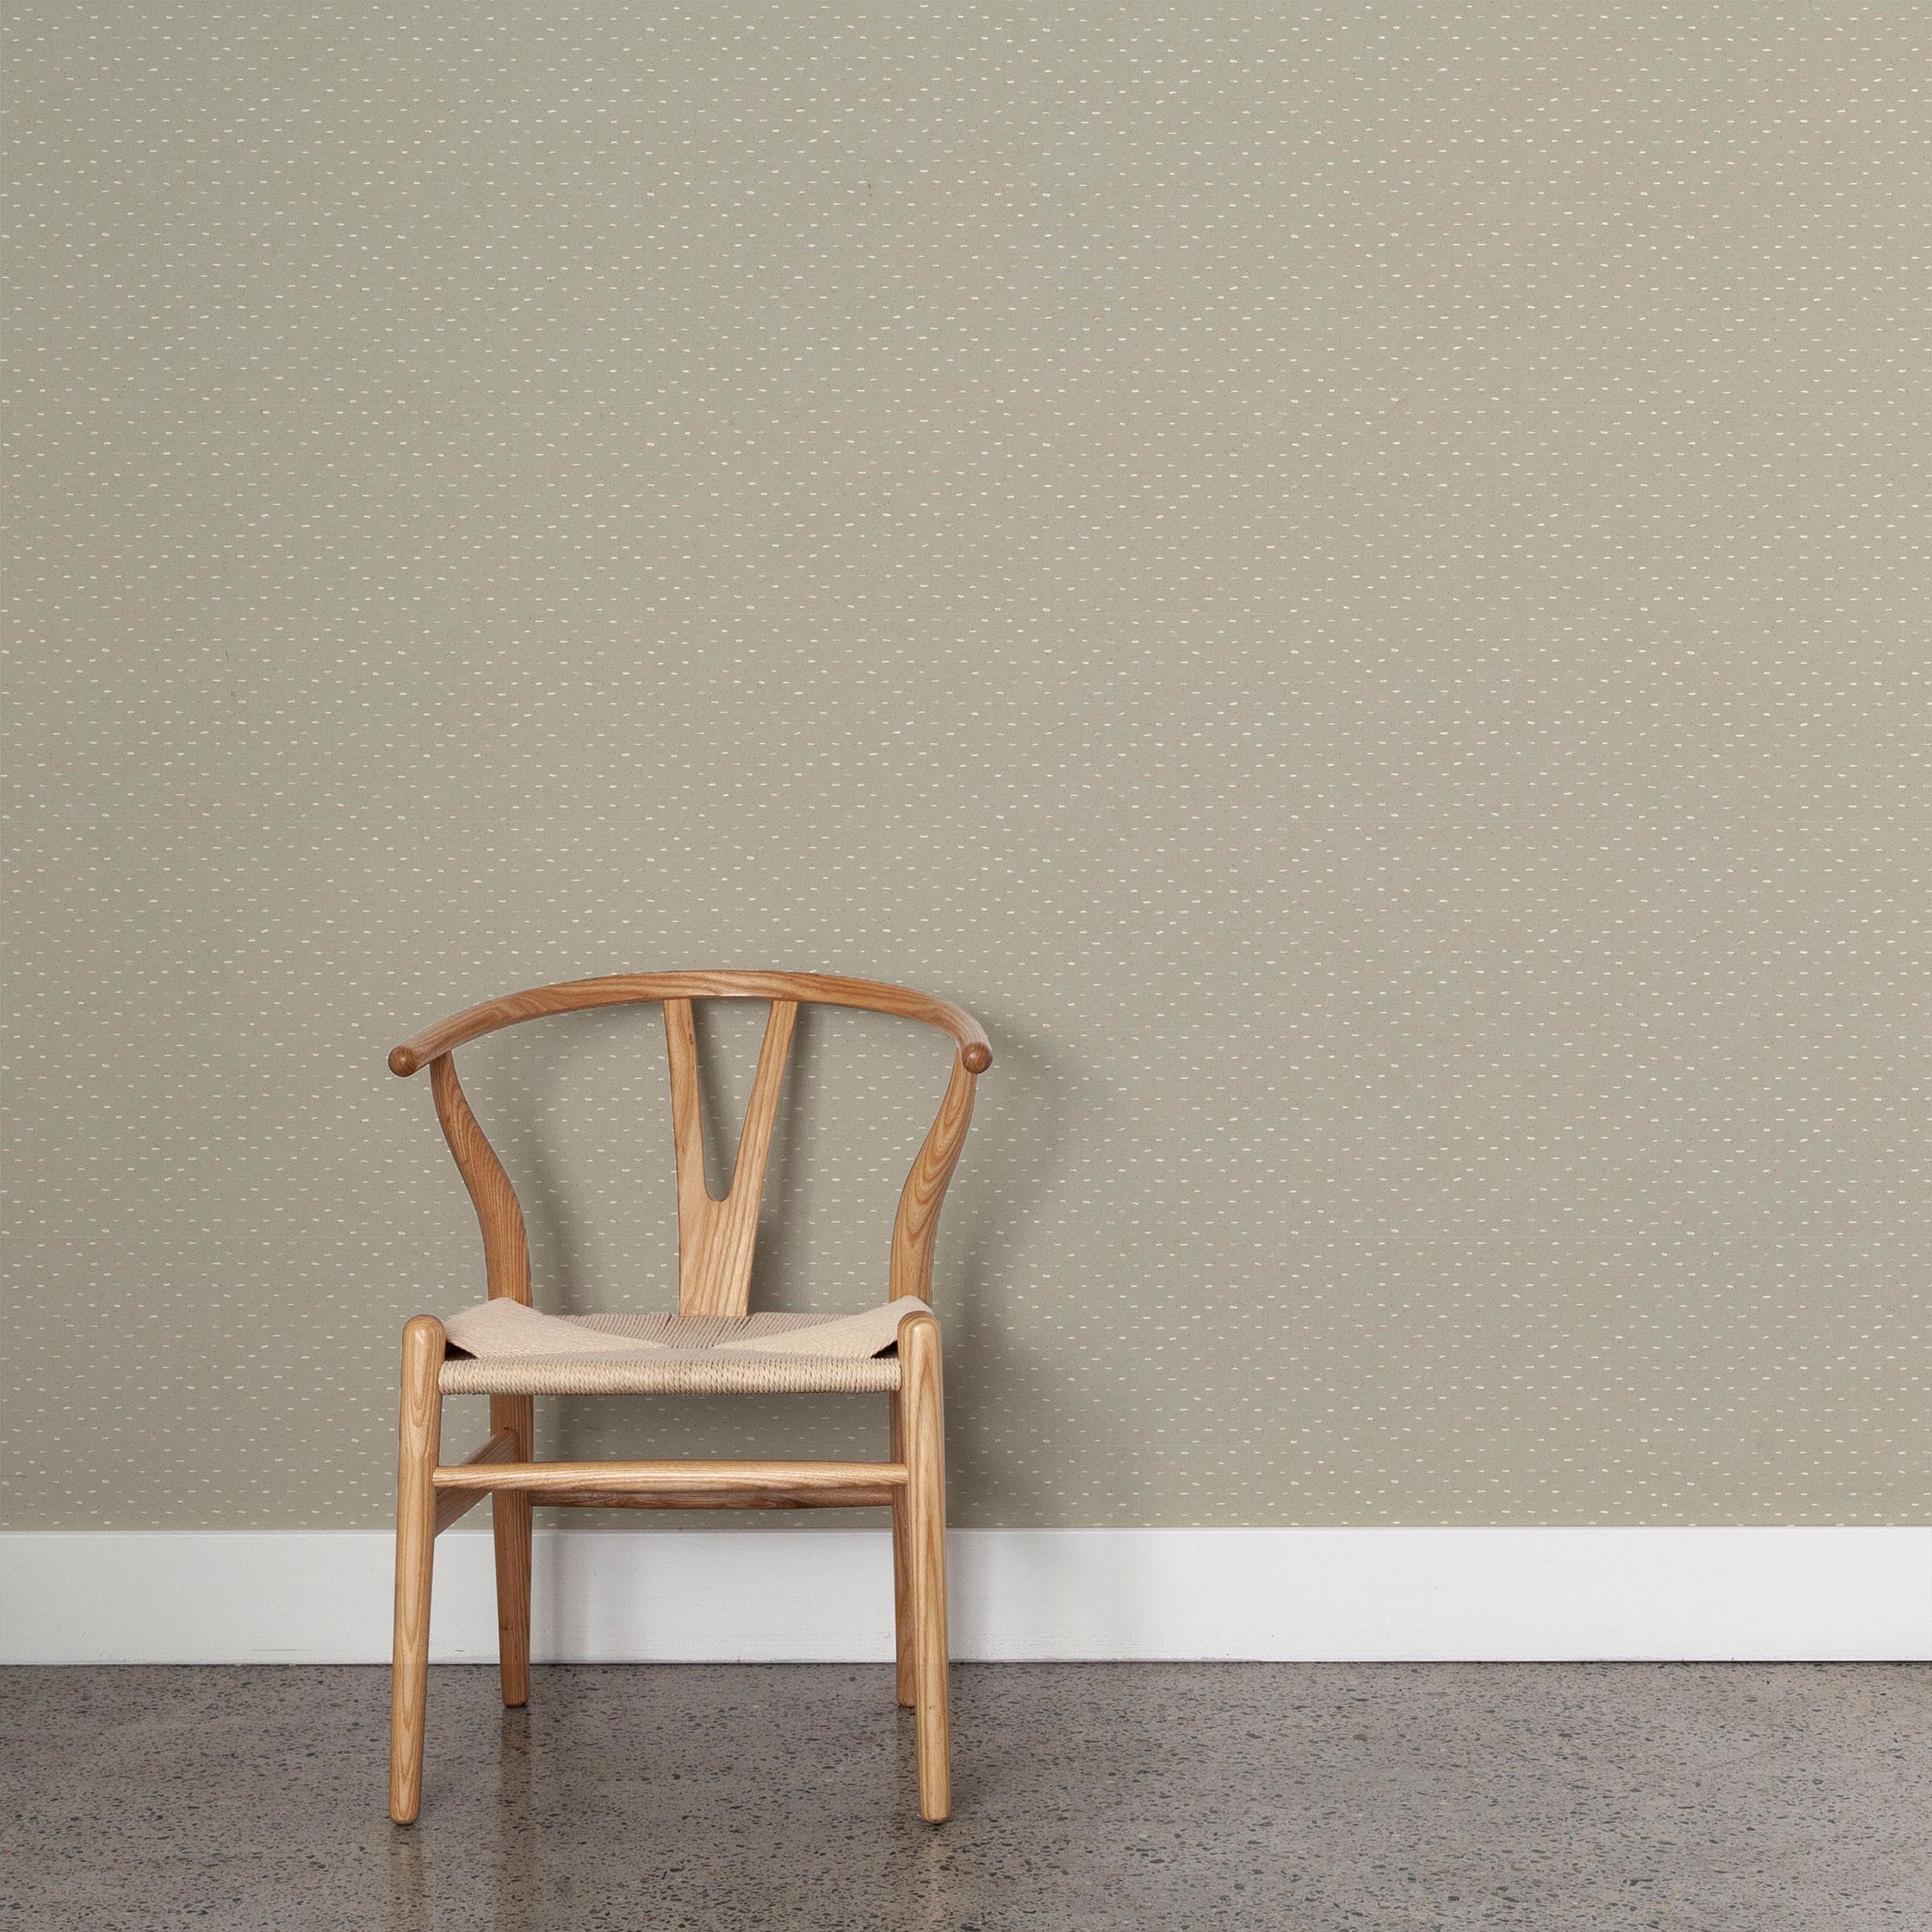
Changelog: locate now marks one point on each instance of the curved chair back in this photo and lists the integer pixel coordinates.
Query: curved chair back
(716, 1235)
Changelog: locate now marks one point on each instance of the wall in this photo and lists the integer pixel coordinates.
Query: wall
(1352, 583)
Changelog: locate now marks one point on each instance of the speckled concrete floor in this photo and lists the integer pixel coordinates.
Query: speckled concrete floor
(1373, 1797)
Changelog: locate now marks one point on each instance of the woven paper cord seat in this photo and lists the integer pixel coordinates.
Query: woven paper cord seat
(515, 1350)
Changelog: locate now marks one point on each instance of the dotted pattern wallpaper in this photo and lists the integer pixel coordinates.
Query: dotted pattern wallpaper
(1352, 579)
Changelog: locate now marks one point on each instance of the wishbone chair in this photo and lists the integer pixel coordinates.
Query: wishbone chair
(506, 1351)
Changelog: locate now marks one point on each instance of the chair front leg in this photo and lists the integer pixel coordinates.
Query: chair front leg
(420, 1444)
(509, 1527)
(924, 1430)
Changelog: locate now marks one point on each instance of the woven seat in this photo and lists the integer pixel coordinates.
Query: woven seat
(512, 1350)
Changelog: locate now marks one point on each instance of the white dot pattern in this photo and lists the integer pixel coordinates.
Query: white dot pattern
(1352, 579)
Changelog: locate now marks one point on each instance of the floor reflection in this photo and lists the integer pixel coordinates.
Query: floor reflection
(729, 1798)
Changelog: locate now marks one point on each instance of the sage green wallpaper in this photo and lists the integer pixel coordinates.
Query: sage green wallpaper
(1352, 579)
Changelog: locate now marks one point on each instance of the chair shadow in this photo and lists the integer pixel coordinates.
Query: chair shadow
(1029, 1092)
(1028, 1101)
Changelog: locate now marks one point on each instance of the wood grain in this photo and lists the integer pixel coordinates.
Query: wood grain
(861, 1496)
(453, 1505)
(419, 1440)
(905, 1681)
(925, 1429)
(630, 988)
(510, 1526)
(717, 1238)
(915, 1227)
(675, 1478)
(506, 1244)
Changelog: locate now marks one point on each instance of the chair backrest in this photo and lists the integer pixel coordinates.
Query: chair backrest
(715, 1236)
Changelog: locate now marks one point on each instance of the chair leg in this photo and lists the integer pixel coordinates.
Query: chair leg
(901, 1568)
(924, 1441)
(420, 1445)
(510, 1526)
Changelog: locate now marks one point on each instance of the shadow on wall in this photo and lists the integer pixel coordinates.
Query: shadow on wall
(1014, 1168)
(579, 1110)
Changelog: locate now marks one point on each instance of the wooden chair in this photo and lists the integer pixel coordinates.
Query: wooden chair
(715, 1243)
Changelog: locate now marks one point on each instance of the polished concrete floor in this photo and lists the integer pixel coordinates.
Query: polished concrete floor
(1368, 1798)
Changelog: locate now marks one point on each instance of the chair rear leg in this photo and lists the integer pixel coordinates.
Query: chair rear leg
(510, 1526)
(419, 1446)
(925, 1442)
(902, 1568)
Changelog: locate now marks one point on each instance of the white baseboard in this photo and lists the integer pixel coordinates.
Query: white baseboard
(1348, 1595)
